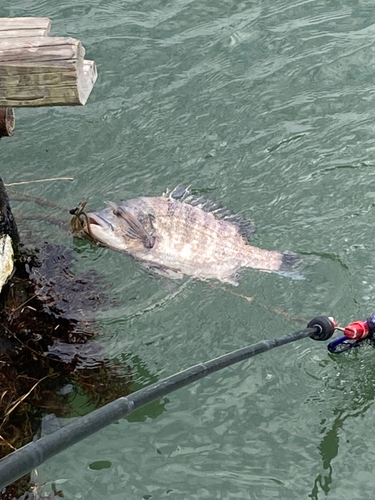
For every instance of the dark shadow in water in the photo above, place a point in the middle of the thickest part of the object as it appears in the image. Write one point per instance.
(50, 362)
(316, 256)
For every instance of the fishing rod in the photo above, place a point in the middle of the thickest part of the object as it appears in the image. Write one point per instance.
(30, 456)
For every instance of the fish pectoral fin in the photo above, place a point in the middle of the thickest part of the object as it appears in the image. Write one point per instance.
(131, 226)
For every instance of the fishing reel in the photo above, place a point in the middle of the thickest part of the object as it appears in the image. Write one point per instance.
(354, 335)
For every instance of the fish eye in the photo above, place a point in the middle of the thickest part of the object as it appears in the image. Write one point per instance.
(117, 211)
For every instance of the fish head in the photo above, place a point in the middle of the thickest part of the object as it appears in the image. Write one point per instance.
(117, 229)
(104, 227)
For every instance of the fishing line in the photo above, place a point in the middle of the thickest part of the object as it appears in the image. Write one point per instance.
(39, 180)
(269, 308)
(22, 461)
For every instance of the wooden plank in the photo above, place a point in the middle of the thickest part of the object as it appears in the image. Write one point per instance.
(36, 50)
(24, 26)
(43, 71)
(24, 22)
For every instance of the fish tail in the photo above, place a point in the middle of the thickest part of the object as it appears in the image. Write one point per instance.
(291, 266)
(286, 264)
(289, 261)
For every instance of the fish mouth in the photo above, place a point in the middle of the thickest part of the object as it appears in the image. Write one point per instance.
(97, 227)
(101, 231)
(94, 219)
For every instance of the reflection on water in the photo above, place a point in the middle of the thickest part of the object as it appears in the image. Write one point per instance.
(355, 397)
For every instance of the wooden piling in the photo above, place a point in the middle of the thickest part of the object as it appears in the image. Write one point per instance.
(7, 122)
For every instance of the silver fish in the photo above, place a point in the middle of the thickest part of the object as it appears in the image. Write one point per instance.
(183, 235)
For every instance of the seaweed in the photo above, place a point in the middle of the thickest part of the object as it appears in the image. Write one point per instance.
(47, 352)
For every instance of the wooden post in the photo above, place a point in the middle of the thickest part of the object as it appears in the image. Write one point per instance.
(9, 237)
(7, 223)
(38, 70)
(7, 121)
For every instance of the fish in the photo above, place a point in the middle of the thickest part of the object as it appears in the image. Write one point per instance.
(181, 234)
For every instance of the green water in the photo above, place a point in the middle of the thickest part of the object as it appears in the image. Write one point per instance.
(269, 105)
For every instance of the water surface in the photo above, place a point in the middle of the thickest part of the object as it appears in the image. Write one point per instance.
(269, 107)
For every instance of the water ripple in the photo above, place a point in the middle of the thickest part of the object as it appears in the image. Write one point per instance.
(267, 107)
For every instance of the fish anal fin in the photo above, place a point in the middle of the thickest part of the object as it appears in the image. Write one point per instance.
(165, 271)
(232, 279)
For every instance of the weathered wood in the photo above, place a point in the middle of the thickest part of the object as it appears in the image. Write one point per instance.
(90, 74)
(42, 71)
(24, 26)
(7, 121)
(38, 70)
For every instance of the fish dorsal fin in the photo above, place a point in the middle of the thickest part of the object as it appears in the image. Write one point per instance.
(245, 226)
(131, 226)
